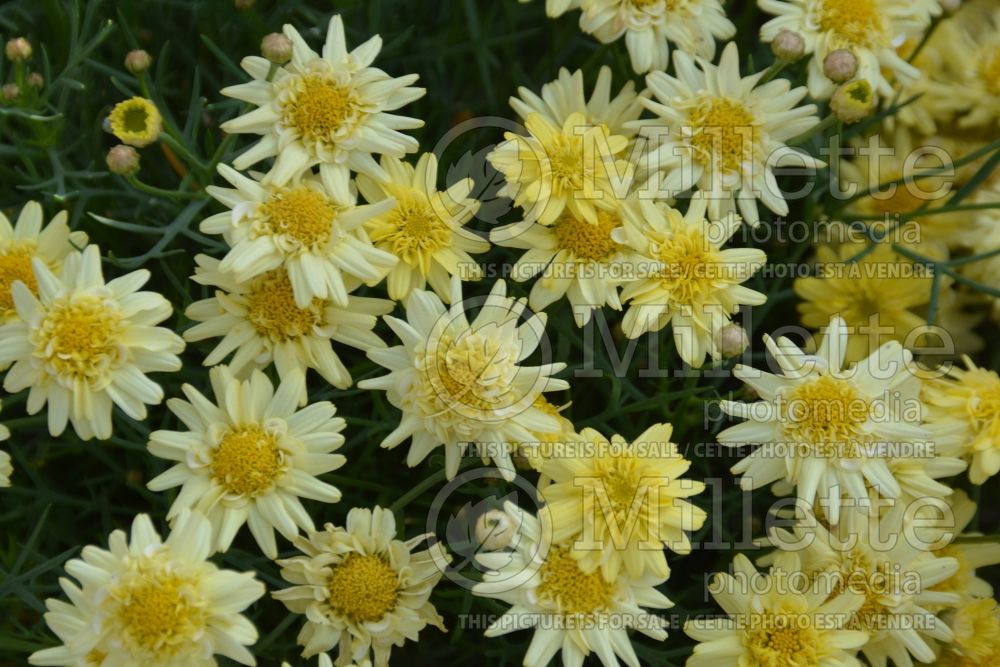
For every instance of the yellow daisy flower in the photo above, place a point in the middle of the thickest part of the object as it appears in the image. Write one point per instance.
(870, 29)
(576, 258)
(976, 626)
(360, 588)
(872, 556)
(876, 296)
(424, 228)
(146, 601)
(724, 134)
(967, 402)
(972, 92)
(83, 344)
(331, 110)
(650, 25)
(770, 621)
(259, 323)
(620, 504)
(136, 122)
(574, 166)
(686, 278)
(29, 238)
(249, 457)
(544, 443)
(301, 227)
(461, 384)
(571, 611)
(828, 428)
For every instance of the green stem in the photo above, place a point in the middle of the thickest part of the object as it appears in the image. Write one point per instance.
(821, 126)
(161, 192)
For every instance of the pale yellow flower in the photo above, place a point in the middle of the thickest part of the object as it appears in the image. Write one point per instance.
(249, 456)
(362, 589)
(84, 344)
(136, 122)
(147, 601)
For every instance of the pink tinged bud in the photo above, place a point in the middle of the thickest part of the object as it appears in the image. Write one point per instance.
(277, 48)
(36, 80)
(123, 160)
(788, 46)
(138, 61)
(18, 50)
(732, 340)
(10, 92)
(840, 65)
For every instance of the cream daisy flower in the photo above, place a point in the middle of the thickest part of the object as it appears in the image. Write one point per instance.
(649, 26)
(566, 95)
(249, 456)
(461, 384)
(872, 556)
(260, 321)
(572, 611)
(725, 134)
(771, 621)
(362, 589)
(301, 227)
(968, 401)
(578, 259)
(82, 345)
(29, 238)
(330, 110)
(621, 504)
(687, 279)
(870, 29)
(424, 229)
(828, 428)
(145, 601)
(572, 166)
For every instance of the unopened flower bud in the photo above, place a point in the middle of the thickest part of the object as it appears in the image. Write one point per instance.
(840, 65)
(36, 80)
(853, 101)
(138, 61)
(18, 50)
(10, 92)
(123, 160)
(277, 48)
(494, 530)
(732, 340)
(788, 46)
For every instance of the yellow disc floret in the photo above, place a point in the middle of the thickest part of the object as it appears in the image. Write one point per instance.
(301, 215)
(247, 461)
(591, 242)
(160, 612)
(363, 588)
(724, 132)
(136, 122)
(319, 108)
(272, 310)
(15, 265)
(80, 338)
(571, 590)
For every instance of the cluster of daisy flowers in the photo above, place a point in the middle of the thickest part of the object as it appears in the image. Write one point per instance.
(629, 199)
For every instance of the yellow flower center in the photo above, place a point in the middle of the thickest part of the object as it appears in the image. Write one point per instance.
(827, 413)
(15, 265)
(591, 242)
(692, 267)
(95, 658)
(80, 338)
(272, 311)
(412, 230)
(566, 160)
(977, 629)
(724, 132)
(160, 613)
(303, 215)
(363, 588)
(984, 404)
(247, 461)
(472, 371)
(989, 70)
(783, 640)
(570, 589)
(857, 22)
(320, 110)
